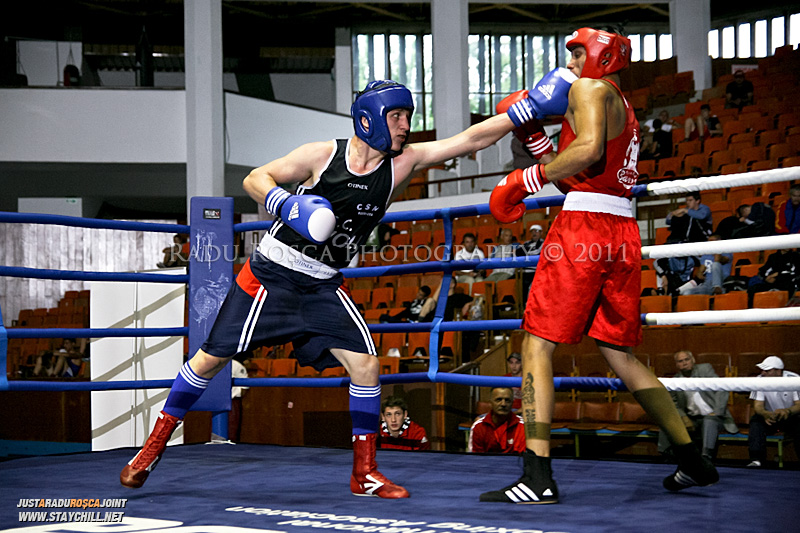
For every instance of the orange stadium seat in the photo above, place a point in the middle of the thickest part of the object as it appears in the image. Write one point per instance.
(656, 304)
(770, 299)
(692, 302)
(730, 301)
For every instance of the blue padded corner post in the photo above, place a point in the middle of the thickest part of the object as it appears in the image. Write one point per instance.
(210, 277)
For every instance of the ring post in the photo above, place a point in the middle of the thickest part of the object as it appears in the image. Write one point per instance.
(210, 277)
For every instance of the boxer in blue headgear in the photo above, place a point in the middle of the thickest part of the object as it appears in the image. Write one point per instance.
(372, 104)
(290, 288)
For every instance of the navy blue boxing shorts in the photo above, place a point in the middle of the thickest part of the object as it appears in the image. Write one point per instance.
(271, 305)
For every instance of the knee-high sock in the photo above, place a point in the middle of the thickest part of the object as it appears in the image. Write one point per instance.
(186, 389)
(365, 408)
(659, 405)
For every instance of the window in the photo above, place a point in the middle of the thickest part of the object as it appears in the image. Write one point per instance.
(636, 47)
(665, 46)
(728, 43)
(713, 44)
(744, 40)
(794, 30)
(761, 38)
(405, 59)
(649, 47)
(778, 38)
(502, 64)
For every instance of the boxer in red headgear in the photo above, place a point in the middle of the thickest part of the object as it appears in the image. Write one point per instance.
(588, 277)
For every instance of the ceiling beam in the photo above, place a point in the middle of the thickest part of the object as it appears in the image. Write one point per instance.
(525, 13)
(382, 11)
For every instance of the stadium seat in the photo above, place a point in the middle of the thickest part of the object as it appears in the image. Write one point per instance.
(692, 302)
(771, 299)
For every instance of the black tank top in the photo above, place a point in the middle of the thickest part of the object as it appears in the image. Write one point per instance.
(358, 201)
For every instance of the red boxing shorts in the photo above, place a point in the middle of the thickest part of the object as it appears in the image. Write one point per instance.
(588, 281)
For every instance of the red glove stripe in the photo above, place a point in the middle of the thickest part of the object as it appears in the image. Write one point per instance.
(530, 178)
(539, 145)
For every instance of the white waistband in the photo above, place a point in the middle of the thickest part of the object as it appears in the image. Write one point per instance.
(286, 256)
(597, 203)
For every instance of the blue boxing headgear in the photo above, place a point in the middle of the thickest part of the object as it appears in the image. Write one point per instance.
(373, 103)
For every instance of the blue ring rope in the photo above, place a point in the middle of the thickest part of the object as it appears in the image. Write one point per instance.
(577, 383)
(93, 223)
(79, 275)
(94, 333)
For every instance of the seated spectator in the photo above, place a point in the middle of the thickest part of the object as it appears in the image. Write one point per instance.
(788, 218)
(532, 246)
(499, 430)
(658, 145)
(469, 252)
(714, 269)
(705, 413)
(773, 411)
(667, 123)
(739, 92)
(781, 272)
(728, 225)
(692, 223)
(760, 222)
(504, 249)
(514, 362)
(69, 358)
(678, 275)
(175, 255)
(420, 309)
(398, 431)
(703, 126)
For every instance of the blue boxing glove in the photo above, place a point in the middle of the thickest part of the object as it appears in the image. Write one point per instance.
(309, 215)
(549, 97)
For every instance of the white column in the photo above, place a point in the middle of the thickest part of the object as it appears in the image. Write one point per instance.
(689, 23)
(343, 71)
(449, 25)
(450, 28)
(205, 150)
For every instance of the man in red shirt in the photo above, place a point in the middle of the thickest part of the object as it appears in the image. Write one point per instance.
(499, 430)
(398, 432)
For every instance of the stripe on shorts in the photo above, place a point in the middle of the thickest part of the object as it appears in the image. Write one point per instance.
(359, 321)
(252, 319)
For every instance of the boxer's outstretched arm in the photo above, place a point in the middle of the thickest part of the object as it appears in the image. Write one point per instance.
(477, 137)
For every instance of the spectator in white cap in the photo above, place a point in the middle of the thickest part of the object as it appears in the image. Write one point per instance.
(533, 246)
(774, 411)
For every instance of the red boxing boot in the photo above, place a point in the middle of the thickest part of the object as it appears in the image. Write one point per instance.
(366, 480)
(136, 471)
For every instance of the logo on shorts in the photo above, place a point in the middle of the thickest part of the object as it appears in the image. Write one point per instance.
(295, 211)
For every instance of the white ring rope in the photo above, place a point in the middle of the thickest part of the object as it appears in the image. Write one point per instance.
(717, 182)
(728, 316)
(732, 384)
(752, 244)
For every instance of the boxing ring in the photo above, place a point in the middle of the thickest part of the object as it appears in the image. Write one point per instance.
(305, 488)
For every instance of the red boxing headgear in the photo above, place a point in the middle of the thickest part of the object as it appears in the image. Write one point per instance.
(606, 52)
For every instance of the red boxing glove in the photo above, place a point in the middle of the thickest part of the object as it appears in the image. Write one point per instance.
(529, 128)
(505, 202)
(539, 144)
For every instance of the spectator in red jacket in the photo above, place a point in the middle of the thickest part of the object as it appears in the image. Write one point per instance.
(499, 430)
(788, 219)
(398, 432)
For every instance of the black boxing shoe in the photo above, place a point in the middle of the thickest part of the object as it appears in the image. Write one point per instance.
(694, 470)
(536, 486)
